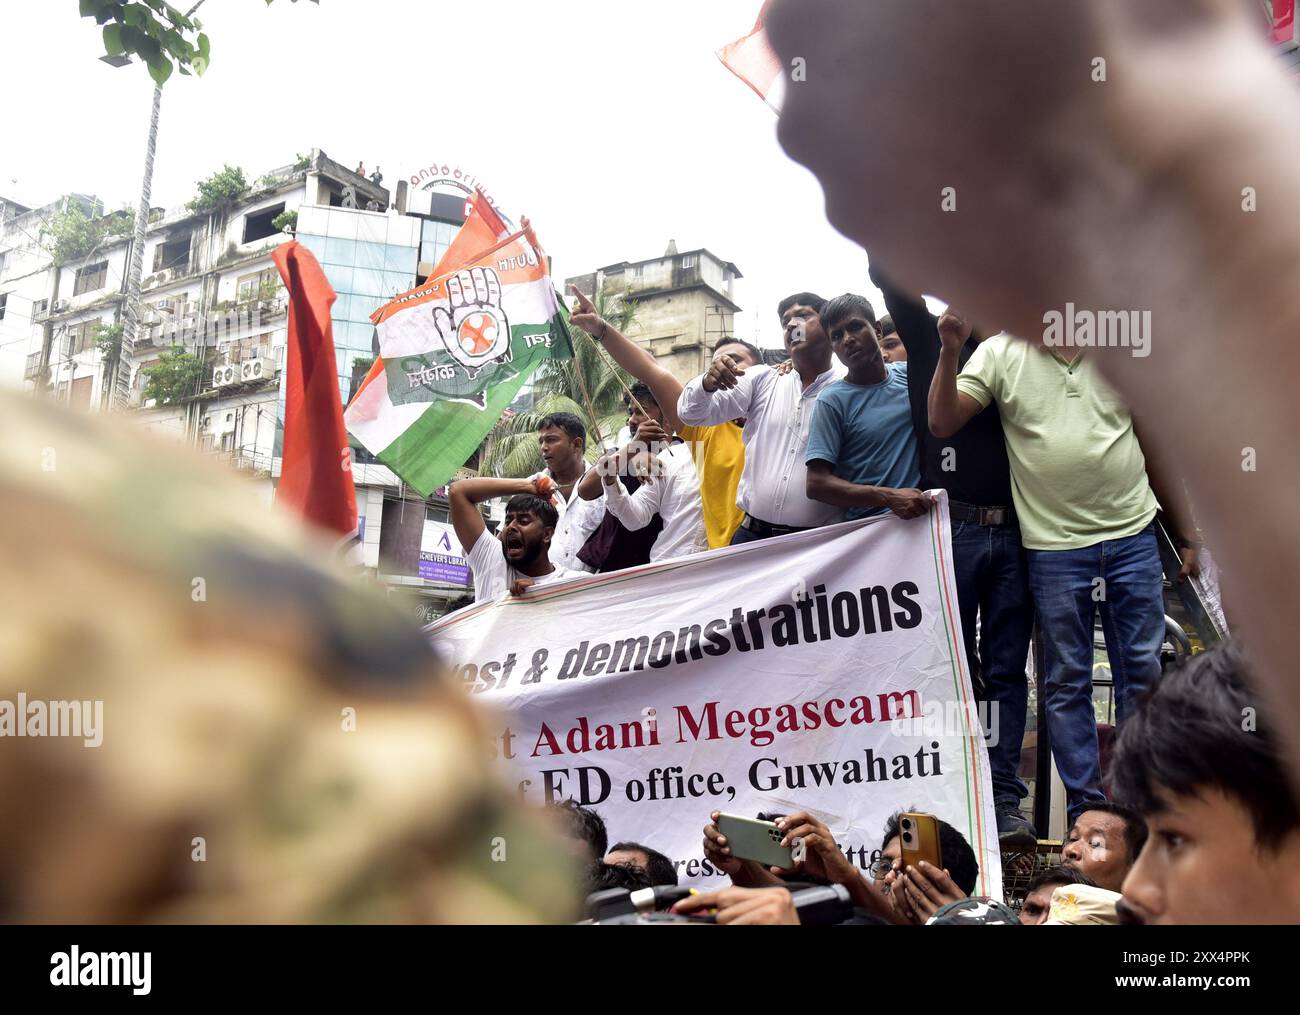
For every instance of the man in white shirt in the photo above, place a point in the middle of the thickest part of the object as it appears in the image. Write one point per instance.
(562, 437)
(669, 484)
(520, 559)
(778, 412)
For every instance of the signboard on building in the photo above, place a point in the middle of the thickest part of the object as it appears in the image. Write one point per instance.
(446, 178)
(441, 558)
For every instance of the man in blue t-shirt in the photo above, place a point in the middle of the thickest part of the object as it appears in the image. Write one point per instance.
(862, 451)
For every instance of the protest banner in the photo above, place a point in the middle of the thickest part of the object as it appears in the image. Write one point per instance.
(820, 670)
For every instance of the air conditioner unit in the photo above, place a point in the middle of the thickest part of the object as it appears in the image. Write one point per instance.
(227, 374)
(60, 306)
(164, 305)
(257, 369)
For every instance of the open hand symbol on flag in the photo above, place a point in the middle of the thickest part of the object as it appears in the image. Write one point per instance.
(473, 326)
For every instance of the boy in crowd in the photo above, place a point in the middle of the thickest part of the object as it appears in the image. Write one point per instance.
(562, 437)
(1201, 761)
(861, 453)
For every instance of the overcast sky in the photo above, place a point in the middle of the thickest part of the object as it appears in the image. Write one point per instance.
(610, 123)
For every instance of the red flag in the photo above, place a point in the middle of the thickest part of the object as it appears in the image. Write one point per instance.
(752, 60)
(316, 475)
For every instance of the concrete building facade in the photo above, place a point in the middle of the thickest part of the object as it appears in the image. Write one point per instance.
(684, 303)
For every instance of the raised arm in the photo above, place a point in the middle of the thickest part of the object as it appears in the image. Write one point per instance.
(950, 409)
(465, 495)
(666, 388)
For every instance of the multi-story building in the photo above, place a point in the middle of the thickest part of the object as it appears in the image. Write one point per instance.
(684, 303)
(211, 288)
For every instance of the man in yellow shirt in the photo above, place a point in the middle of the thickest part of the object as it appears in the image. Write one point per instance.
(719, 450)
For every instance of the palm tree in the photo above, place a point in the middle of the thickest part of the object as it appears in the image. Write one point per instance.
(558, 386)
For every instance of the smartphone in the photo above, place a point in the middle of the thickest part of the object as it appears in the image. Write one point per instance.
(752, 839)
(919, 837)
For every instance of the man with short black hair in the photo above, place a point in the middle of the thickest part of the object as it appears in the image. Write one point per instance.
(520, 559)
(861, 453)
(1201, 761)
(562, 437)
(777, 409)
(1038, 895)
(1104, 843)
(661, 870)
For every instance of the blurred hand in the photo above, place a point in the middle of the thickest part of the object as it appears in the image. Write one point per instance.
(954, 330)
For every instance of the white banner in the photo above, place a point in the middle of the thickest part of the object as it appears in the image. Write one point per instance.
(823, 670)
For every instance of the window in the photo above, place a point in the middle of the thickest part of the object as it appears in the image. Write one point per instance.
(689, 261)
(174, 252)
(90, 278)
(39, 307)
(257, 286)
(82, 336)
(4, 301)
(257, 225)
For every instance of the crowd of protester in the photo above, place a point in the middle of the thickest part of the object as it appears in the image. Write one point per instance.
(1051, 495)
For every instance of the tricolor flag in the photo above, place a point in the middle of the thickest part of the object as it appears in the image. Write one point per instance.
(752, 60)
(483, 228)
(456, 351)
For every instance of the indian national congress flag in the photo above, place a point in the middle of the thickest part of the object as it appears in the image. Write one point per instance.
(455, 353)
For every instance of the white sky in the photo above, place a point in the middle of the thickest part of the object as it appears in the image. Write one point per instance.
(609, 122)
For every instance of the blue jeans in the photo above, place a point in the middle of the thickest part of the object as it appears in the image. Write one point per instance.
(743, 535)
(1067, 594)
(992, 580)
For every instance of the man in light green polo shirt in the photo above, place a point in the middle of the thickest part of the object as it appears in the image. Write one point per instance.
(1086, 508)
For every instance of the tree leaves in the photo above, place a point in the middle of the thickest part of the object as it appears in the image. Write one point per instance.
(155, 32)
(113, 40)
